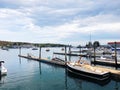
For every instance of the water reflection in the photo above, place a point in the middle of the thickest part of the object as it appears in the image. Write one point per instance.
(20, 60)
(116, 86)
(40, 67)
(2, 80)
(66, 88)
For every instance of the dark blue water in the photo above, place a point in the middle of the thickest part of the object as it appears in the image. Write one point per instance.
(26, 74)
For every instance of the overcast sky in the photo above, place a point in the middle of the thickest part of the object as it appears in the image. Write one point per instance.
(60, 21)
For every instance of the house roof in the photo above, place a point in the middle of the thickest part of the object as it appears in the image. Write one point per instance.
(113, 42)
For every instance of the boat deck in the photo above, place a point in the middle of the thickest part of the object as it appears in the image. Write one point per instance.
(89, 68)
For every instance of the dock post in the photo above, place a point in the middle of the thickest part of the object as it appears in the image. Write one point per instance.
(116, 55)
(70, 52)
(94, 55)
(80, 48)
(40, 52)
(65, 55)
(0, 70)
(19, 50)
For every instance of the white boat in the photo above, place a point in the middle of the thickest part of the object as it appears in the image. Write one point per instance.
(2, 69)
(88, 72)
(106, 57)
(47, 49)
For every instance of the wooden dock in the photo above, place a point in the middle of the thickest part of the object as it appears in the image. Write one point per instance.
(44, 60)
(71, 54)
(106, 63)
(114, 73)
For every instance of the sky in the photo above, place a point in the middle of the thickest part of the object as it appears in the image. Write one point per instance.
(74, 22)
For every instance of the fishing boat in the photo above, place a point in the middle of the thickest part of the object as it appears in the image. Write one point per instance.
(2, 69)
(87, 71)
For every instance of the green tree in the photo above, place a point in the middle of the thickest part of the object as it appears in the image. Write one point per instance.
(96, 44)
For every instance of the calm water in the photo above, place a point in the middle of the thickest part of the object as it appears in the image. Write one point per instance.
(26, 74)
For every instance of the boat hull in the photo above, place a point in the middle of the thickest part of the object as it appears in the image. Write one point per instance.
(3, 71)
(101, 79)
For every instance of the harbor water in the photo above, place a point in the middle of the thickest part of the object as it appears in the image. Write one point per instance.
(24, 74)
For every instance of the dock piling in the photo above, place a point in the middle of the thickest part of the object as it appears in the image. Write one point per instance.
(40, 52)
(69, 52)
(94, 54)
(116, 55)
(65, 55)
(19, 50)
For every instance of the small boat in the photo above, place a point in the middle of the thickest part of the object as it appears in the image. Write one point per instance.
(107, 58)
(5, 48)
(62, 49)
(47, 50)
(88, 72)
(3, 69)
(35, 48)
(117, 49)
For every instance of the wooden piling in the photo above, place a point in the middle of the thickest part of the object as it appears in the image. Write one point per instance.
(65, 55)
(80, 49)
(94, 54)
(19, 50)
(69, 53)
(40, 52)
(116, 55)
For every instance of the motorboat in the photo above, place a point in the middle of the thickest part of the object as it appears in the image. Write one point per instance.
(2, 69)
(34, 48)
(87, 71)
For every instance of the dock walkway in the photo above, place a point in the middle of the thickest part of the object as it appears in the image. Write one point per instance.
(106, 63)
(71, 54)
(44, 60)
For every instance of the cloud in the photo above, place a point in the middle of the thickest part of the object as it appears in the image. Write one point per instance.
(61, 21)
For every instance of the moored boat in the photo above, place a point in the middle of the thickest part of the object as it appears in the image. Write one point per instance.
(35, 48)
(3, 70)
(88, 72)
(47, 49)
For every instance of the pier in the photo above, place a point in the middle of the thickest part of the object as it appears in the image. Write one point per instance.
(71, 54)
(106, 63)
(45, 60)
(59, 62)
(114, 73)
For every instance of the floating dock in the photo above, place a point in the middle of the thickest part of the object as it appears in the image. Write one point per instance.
(106, 63)
(44, 60)
(114, 73)
(71, 54)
